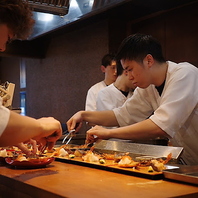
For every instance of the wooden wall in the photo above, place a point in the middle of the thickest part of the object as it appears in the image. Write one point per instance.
(177, 31)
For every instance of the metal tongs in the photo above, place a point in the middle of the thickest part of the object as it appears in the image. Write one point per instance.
(42, 150)
(70, 135)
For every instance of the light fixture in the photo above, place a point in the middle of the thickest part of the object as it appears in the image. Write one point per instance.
(57, 7)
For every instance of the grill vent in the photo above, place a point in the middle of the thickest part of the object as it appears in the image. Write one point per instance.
(57, 7)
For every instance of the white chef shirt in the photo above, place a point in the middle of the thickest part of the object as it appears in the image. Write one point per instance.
(92, 95)
(110, 97)
(4, 117)
(175, 112)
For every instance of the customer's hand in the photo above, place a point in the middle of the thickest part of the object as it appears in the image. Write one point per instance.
(50, 133)
(23, 147)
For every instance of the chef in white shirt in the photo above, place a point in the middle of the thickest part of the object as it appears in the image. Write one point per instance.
(108, 67)
(117, 93)
(164, 104)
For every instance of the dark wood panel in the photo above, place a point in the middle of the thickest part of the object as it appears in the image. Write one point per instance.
(181, 35)
(35, 48)
(176, 30)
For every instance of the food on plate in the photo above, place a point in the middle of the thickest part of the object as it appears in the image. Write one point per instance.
(3, 153)
(108, 156)
(150, 169)
(7, 152)
(102, 161)
(21, 158)
(127, 162)
(66, 150)
(71, 156)
(158, 165)
(29, 162)
(79, 153)
(120, 160)
(69, 147)
(14, 157)
(58, 152)
(61, 153)
(91, 157)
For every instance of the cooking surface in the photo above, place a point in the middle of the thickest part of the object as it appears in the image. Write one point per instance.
(68, 180)
(137, 150)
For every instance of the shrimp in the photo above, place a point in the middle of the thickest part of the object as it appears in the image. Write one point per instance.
(127, 162)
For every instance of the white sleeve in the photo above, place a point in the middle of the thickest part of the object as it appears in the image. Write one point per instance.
(135, 109)
(178, 101)
(4, 117)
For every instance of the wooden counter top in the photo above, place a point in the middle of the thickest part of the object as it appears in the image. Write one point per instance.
(68, 180)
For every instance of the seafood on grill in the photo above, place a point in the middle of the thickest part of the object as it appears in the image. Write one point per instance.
(127, 162)
(120, 160)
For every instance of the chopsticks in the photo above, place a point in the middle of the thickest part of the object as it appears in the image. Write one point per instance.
(42, 150)
(69, 134)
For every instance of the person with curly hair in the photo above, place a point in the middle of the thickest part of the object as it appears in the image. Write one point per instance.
(16, 22)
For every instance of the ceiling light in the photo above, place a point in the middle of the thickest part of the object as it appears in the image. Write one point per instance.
(45, 16)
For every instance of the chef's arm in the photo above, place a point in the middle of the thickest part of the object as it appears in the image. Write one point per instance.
(146, 129)
(103, 118)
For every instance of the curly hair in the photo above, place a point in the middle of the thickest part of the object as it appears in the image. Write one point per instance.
(17, 16)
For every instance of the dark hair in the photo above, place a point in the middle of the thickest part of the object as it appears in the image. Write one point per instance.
(17, 16)
(107, 59)
(137, 46)
(119, 68)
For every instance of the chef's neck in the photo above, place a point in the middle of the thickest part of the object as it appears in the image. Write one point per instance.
(108, 82)
(121, 85)
(160, 72)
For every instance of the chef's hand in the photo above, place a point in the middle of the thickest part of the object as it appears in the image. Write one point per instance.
(96, 133)
(75, 122)
(25, 149)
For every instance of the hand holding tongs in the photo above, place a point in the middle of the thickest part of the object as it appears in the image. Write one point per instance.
(70, 135)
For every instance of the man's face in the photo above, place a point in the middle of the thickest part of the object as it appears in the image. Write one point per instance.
(5, 36)
(111, 71)
(138, 73)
